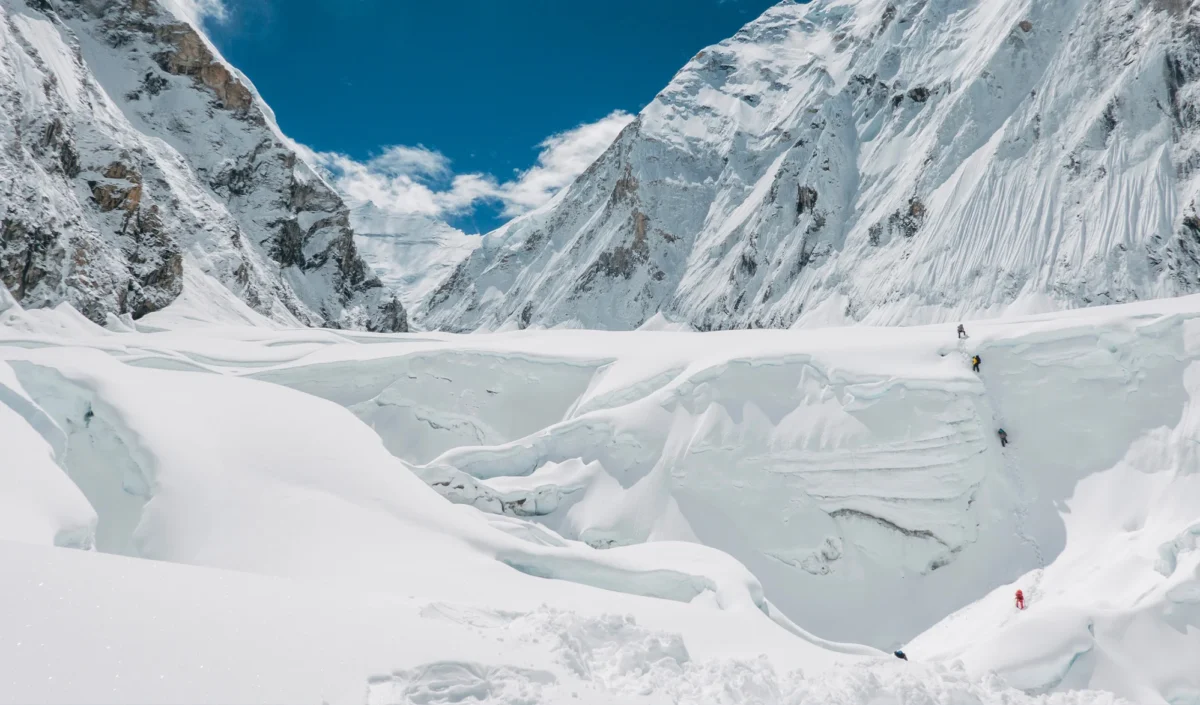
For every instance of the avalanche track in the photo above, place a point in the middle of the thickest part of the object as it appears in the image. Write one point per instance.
(624, 517)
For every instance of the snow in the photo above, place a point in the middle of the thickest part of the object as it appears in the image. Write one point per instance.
(661, 323)
(205, 302)
(38, 503)
(650, 516)
(161, 632)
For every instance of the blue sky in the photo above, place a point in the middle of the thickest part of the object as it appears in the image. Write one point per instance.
(467, 110)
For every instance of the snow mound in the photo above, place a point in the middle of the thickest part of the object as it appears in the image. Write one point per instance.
(660, 322)
(456, 682)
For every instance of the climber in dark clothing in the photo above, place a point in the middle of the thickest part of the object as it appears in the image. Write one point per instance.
(975, 363)
(900, 655)
(962, 332)
(1003, 437)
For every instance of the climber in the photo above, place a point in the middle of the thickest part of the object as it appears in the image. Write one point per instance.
(975, 363)
(1003, 437)
(900, 655)
(962, 332)
(1020, 600)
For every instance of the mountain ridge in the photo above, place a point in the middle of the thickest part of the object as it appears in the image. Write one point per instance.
(136, 151)
(881, 162)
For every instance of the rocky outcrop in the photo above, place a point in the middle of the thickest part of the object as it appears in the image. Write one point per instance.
(190, 56)
(880, 161)
(116, 181)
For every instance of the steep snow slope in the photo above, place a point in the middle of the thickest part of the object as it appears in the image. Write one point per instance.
(853, 471)
(412, 253)
(883, 161)
(135, 154)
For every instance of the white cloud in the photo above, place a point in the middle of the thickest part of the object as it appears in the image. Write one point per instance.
(404, 180)
(412, 161)
(418, 180)
(466, 190)
(564, 157)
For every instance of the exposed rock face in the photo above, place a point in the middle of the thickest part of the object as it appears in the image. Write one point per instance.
(889, 162)
(190, 57)
(132, 151)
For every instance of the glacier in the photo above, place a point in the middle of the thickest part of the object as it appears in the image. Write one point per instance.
(658, 517)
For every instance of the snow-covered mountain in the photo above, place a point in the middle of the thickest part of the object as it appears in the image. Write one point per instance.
(883, 161)
(135, 158)
(411, 253)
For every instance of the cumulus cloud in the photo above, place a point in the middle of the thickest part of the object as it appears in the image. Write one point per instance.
(418, 180)
(411, 161)
(405, 180)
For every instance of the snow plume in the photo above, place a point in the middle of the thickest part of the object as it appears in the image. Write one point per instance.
(418, 180)
(197, 11)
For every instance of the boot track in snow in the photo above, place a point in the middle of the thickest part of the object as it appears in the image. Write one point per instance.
(1012, 470)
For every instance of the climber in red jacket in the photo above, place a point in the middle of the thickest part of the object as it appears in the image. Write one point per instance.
(1020, 600)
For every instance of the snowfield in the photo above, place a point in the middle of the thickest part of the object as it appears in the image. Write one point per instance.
(204, 506)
